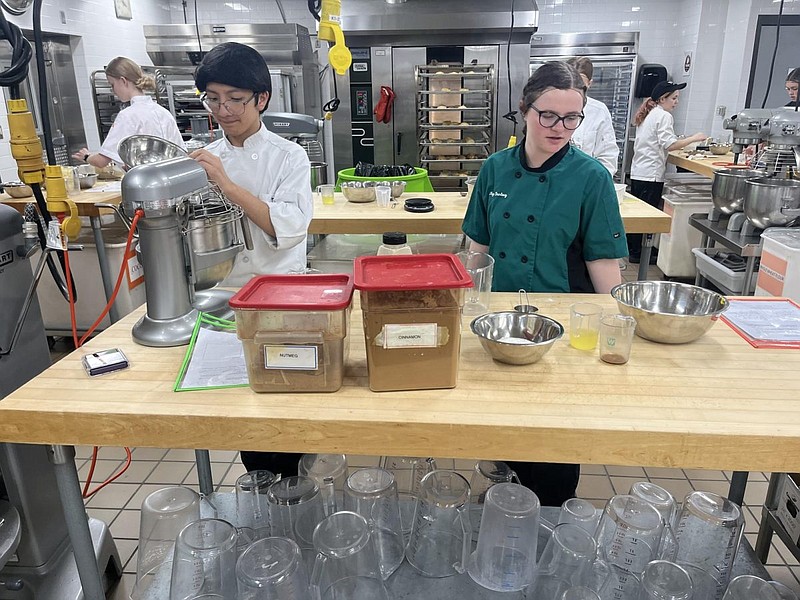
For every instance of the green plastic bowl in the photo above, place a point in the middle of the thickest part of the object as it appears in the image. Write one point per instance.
(418, 182)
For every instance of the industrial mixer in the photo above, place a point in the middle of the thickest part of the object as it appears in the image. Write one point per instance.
(189, 236)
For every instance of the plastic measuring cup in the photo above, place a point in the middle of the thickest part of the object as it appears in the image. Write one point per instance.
(505, 559)
(272, 569)
(664, 580)
(485, 474)
(629, 533)
(584, 325)
(580, 512)
(665, 504)
(326, 193)
(252, 507)
(708, 530)
(295, 509)
(750, 587)
(204, 565)
(329, 471)
(408, 472)
(480, 267)
(566, 561)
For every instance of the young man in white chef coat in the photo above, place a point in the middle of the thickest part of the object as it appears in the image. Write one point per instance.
(265, 174)
(268, 176)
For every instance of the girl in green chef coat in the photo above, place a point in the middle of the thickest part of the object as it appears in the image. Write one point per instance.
(549, 216)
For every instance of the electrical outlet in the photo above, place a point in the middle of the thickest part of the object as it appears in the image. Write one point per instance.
(63, 16)
(2, 133)
(721, 110)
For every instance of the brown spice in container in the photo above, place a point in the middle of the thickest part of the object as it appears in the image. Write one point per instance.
(613, 358)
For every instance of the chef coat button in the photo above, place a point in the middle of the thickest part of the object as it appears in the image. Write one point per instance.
(524, 259)
(531, 219)
(254, 156)
(502, 255)
(542, 179)
(506, 215)
(245, 259)
(517, 174)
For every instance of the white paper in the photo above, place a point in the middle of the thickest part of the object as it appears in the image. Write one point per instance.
(777, 321)
(217, 360)
(113, 186)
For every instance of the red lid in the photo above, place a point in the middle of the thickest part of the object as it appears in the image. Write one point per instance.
(295, 292)
(410, 272)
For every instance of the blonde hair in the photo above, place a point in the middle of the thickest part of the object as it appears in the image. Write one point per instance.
(122, 67)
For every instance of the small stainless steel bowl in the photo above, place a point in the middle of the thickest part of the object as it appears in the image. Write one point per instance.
(358, 191)
(669, 312)
(516, 338)
(398, 187)
(17, 189)
(143, 149)
(87, 181)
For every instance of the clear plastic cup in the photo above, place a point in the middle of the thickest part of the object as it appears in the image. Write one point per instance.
(703, 584)
(252, 507)
(664, 580)
(584, 325)
(408, 472)
(272, 569)
(580, 512)
(346, 565)
(750, 587)
(505, 558)
(616, 338)
(665, 504)
(708, 530)
(441, 535)
(372, 493)
(579, 593)
(295, 509)
(383, 194)
(329, 471)
(204, 565)
(326, 192)
(784, 592)
(485, 474)
(629, 533)
(566, 561)
(155, 583)
(480, 267)
(164, 514)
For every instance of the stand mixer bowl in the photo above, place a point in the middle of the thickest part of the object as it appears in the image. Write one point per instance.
(771, 202)
(727, 191)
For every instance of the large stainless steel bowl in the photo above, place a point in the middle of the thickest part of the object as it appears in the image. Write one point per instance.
(516, 338)
(359, 191)
(143, 149)
(669, 312)
(727, 191)
(771, 202)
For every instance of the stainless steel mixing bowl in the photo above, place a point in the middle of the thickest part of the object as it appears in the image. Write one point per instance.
(669, 312)
(516, 338)
(143, 149)
(727, 191)
(359, 191)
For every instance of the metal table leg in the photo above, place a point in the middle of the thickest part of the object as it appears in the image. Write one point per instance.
(204, 478)
(69, 488)
(105, 272)
(749, 271)
(765, 530)
(738, 485)
(644, 261)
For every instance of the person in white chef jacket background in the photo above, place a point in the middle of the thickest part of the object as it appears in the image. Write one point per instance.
(595, 136)
(143, 116)
(267, 176)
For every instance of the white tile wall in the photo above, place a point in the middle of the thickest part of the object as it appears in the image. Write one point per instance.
(101, 37)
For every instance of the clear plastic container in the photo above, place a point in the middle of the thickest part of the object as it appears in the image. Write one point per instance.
(412, 319)
(294, 331)
(394, 242)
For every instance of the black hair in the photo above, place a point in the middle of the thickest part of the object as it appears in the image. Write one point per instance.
(237, 65)
(794, 75)
(551, 75)
(583, 65)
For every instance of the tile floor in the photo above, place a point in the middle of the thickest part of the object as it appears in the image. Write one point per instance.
(118, 504)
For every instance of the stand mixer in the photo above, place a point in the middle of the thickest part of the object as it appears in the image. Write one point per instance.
(746, 126)
(189, 236)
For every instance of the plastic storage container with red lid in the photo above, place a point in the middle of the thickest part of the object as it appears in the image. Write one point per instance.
(294, 331)
(412, 319)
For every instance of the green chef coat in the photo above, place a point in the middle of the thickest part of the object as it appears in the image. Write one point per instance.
(542, 224)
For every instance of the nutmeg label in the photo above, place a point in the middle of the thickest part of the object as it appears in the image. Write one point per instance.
(416, 335)
(291, 357)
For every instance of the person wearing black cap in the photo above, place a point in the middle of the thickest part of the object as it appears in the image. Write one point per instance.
(266, 175)
(655, 139)
(263, 173)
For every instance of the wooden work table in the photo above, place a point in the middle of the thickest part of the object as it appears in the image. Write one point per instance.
(85, 200)
(705, 166)
(716, 403)
(352, 217)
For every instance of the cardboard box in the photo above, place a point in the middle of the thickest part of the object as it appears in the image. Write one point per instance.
(788, 511)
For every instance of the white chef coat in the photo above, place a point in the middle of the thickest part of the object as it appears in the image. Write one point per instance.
(279, 173)
(143, 116)
(650, 149)
(595, 135)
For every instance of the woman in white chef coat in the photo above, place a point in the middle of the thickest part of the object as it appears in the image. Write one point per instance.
(268, 176)
(143, 116)
(655, 139)
(595, 136)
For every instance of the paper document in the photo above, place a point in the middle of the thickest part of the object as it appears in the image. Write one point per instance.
(112, 186)
(765, 322)
(216, 360)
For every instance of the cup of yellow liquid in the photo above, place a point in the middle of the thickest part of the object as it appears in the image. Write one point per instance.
(584, 325)
(326, 193)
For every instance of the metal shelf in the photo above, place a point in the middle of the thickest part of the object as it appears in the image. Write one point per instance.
(449, 91)
(716, 230)
(462, 107)
(452, 175)
(455, 159)
(462, 125)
